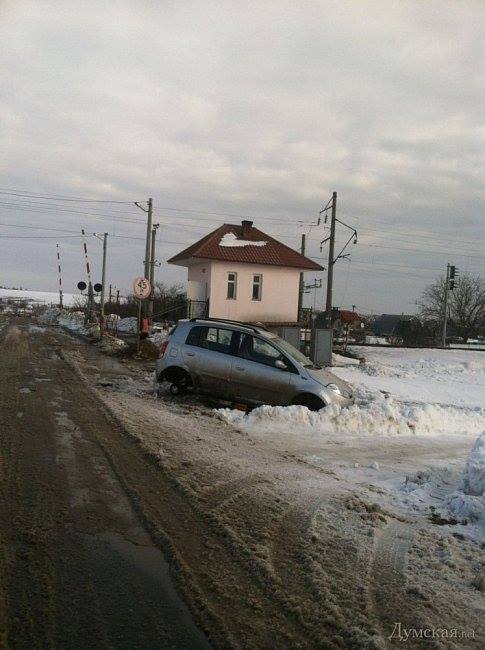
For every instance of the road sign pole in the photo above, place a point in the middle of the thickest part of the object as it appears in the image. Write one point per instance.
(138, 334)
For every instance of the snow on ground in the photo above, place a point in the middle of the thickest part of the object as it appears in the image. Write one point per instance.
(72, 321)
(448, 377)
(430, 392)
(420, 432)
(372, 414)
(128, 325)
(41, 297)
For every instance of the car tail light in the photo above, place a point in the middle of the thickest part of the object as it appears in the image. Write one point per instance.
(163, 347)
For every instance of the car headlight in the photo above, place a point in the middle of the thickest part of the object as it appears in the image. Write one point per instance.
(334, 388)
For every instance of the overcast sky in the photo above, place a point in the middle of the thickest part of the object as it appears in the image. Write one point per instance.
(258, 109)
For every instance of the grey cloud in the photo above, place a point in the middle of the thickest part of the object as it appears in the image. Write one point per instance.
(259, 109)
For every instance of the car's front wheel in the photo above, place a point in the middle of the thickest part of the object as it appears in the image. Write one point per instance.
(312, 402)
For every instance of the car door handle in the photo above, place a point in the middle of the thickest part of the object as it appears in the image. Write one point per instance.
(191, 354)
(240, 368)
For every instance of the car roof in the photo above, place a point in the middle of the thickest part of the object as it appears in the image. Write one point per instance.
(236, 325)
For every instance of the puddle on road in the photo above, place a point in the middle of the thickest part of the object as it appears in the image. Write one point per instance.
(150, 562)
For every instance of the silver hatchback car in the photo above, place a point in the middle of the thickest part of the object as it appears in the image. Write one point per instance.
(244, 363)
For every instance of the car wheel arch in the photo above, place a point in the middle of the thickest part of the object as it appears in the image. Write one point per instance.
(311, 401)
(176, 374)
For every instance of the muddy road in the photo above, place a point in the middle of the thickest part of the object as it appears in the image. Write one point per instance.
(78, 566)
(128, 521)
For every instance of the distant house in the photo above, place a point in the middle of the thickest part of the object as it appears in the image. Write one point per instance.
(389, 324)
(238, 272)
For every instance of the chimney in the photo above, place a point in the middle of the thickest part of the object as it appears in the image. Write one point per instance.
(246, 225)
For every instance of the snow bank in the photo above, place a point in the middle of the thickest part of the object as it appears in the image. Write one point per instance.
(432, 489)
(73, 321)
(469, 502)
(474, 476)
(338, 360)
(128, 325)
(157, 337)
(372, 414)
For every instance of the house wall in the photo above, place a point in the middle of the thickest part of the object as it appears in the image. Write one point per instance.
(279, 301)
(199, 273)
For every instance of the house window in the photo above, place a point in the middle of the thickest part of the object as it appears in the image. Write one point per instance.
(257, 287)
(231, 286)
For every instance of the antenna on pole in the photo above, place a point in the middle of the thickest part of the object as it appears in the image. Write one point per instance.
(60, 276)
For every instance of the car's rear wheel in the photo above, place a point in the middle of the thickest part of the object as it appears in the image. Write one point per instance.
(312, 402)
(177, 389)
(178, 378)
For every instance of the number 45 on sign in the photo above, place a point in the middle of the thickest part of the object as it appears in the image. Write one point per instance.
(141, 288)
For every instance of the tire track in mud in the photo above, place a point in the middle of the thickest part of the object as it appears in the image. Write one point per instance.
(230, 594)
(388, 598)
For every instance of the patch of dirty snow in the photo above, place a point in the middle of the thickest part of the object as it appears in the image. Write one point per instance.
(35, 329)
(341, 361)
(128, 325)
(372, 414)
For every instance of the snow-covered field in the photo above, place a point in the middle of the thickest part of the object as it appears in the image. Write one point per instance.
(41, 297)
(404, 398)
(428, 376)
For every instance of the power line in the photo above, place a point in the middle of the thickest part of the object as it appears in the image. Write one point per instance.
(57, 197)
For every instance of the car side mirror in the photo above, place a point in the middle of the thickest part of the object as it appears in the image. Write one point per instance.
(280, 364)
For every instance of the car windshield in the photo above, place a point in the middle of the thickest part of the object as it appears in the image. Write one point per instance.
(293, 352)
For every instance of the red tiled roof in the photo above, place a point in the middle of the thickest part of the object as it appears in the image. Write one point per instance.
(348, 316)
(273, 252)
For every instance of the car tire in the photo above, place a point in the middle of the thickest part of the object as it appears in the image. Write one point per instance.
(312, 402)
(177, 389)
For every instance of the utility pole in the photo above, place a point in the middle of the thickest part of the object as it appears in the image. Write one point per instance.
(149, 212)
(451, 274)
(331, 261)
(445, 309)
(110, 295)
(151, 276)
(302, 280)
(60, 277)
(103, 285)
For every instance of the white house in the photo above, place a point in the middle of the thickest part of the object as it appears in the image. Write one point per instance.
(244, 274)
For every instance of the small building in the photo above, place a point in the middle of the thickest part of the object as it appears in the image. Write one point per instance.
(388, 324)
(240, 273)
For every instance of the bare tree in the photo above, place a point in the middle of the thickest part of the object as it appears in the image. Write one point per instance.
(466, 304)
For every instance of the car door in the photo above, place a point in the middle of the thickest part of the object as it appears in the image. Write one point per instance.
(207, 355)
(254, 374)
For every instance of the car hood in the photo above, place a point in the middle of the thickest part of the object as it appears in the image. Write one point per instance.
(325, 377)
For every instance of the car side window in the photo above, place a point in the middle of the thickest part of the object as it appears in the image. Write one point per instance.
(194, 335)
(211, 338)
(260, 351)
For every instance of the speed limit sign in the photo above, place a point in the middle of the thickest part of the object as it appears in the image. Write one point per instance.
(141, 288)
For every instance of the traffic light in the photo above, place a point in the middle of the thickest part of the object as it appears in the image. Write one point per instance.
(453, 275)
